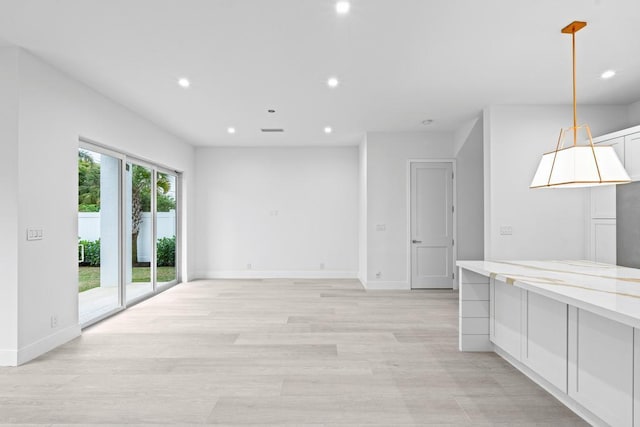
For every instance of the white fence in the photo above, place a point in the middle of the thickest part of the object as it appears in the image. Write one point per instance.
(89, 229)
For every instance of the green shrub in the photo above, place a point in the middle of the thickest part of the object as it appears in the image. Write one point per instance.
(91, 252)
(167, 252)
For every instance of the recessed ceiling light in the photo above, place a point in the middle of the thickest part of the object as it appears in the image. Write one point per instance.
(343, 7)
(184, 82)
(608, 74)
(231, 130)
(328, 129)
(333, 82)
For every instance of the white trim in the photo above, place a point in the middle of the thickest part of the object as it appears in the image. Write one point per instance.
(86, 144)
(8, 358)
(93, 145)
(382, 286)
(454, 282)
(587, 227)
(362, 282)
(48, 343)
(276, 274)
(616, 134)
(486, 182)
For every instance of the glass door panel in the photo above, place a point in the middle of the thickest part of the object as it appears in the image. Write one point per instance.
(166, 225)
(139, 231)
(99, 201)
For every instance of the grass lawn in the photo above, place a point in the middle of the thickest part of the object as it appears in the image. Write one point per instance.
(89, 277)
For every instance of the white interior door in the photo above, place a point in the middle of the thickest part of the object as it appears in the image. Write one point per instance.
(431, 225)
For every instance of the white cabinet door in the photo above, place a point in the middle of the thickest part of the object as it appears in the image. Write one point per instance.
(632, 155)
(506, 318)
(603, 199)
(603, 241)
(545, 339)
(603, 202)
(600, 366)
(617, 144)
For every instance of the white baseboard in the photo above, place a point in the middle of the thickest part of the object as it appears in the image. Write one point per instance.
(256, 274)
(47, 343)
(375, 285)
(362, 281)
(8, 358)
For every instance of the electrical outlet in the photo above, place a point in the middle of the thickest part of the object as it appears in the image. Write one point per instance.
(248, 266)
(378, 274)
(54, 321)
(322, 266)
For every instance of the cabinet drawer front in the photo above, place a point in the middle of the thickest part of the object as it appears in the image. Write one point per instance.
(474, 326)
(474, 309)
(474, 292)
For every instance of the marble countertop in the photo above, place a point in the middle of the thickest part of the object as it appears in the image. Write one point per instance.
(604, 289)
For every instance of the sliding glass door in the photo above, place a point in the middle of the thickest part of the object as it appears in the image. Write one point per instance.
(127, 228)
(166, 230)
(139, 231)
(99, 207)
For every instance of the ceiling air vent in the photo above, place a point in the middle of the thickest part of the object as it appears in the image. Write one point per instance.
(272, 130)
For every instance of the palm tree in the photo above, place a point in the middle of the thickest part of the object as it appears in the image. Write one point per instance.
(141, 201)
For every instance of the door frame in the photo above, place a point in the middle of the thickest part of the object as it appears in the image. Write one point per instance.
(455, 216)
(124, 158)
(85, 144)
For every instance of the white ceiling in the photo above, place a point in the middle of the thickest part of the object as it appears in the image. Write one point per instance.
(399, 61)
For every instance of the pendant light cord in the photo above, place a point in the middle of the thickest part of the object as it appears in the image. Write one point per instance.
(575, 114)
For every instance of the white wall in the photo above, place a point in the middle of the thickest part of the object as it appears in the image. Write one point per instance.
(282, 210)
(55, 110)
(634, 114)
(547, 223)
(362, 211)
(9, 211)
(387, 186)
(470, 196)
(461, 134)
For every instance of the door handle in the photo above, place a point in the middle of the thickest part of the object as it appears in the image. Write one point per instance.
(416, 241)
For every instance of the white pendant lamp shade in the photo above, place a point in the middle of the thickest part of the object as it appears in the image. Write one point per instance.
(580, 166)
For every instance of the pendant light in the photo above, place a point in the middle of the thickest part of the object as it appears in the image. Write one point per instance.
(577, 165)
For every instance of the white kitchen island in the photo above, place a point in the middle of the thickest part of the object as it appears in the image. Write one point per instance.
(571, 326)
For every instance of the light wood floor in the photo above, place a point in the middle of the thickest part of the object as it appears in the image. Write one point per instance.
(276, 352)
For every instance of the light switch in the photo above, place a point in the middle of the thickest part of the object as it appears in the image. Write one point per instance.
(506, 230)
(35, 234)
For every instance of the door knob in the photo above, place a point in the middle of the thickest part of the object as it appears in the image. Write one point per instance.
(416, 241)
